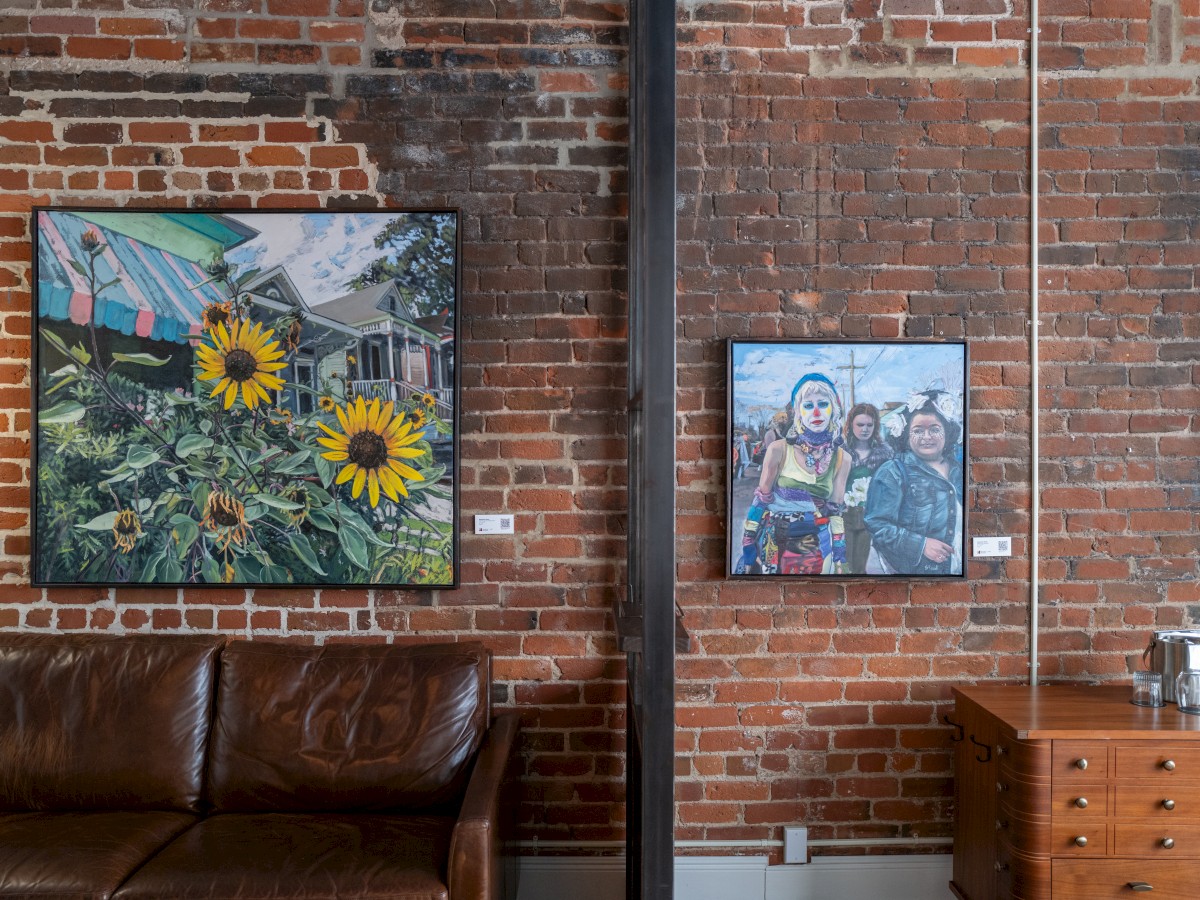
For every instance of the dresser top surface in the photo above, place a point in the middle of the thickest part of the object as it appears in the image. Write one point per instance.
(1075, 711)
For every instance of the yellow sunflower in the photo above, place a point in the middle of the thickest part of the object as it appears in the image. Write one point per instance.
(372, 444)
(429, 400)
(418, 417)
(126, 530)
(242, 357)
(327, 404)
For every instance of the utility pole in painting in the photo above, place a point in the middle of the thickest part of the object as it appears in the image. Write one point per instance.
(852, 367)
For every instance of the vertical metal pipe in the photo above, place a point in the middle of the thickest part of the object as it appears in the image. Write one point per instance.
(1035, 491)
(652, 409)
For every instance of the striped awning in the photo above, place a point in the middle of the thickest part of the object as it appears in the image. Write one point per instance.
(149, 291)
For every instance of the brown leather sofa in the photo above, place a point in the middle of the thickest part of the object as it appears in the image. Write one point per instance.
(181, 767)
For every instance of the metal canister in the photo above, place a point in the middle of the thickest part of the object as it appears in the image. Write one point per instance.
(1169, 653)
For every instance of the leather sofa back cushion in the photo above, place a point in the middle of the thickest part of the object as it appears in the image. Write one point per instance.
(104, 722)
(346, 728)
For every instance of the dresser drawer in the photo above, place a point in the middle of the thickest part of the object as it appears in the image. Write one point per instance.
(1071, 800)
(1158, 840)
(1080, 761)
(1167, 800)
(1080, 838)
(1112, 879)
(1161, 762)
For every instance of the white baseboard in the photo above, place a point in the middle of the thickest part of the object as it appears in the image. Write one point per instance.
(919, 877)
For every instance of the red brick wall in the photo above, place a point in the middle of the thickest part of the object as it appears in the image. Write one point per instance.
(847, 168)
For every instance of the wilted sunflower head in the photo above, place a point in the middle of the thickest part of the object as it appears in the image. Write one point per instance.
(91, 240)
(216, 314)
(225, 516)
(373, 444)
(241, 357)
(126, 530)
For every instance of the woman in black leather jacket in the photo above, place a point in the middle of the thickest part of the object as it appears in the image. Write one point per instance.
(914, 504)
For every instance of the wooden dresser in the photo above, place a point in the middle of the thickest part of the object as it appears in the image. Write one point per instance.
(1068, 792)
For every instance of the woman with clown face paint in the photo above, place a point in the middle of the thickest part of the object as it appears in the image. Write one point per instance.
(794, 525)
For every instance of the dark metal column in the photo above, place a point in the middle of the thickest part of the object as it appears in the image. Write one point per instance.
(647, 618)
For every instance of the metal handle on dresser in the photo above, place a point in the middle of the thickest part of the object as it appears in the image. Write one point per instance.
(1169, 765)
(1139, 886)
(1081, 802)
(1167, 843)
(958, 728)
(986, 749)
(1081, 764)
(1168, 804)
(1081, 841)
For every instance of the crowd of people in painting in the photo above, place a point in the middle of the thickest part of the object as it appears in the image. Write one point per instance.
(838, 496)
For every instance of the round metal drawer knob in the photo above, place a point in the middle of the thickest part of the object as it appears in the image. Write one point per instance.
(1081, 841)
(1081, 802)
(1168, 804)
(1169, 765)
(1081, 764)
(1167, 843)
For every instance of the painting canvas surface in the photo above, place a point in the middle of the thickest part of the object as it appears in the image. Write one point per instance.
(245, 397)
(847, 458)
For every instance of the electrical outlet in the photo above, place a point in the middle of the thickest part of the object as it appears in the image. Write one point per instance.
(795, 844)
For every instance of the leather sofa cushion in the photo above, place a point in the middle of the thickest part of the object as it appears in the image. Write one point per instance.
(346, 728)
(90, 722)
(78, 856)
(247, 856)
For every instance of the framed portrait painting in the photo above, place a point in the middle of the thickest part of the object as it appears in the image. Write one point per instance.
(847, 458)
(245, 397)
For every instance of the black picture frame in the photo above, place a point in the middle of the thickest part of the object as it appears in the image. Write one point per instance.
(800, 505)
(246, 397)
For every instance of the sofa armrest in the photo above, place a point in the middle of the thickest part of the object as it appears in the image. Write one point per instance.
(487, 819)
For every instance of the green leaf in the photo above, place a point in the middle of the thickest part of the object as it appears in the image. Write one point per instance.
(254, 511)
(174, 399)
(276, 502)
(321, 520)
(192, 443)
(68, 412)
(79, 267)
(200, 494)
(80, 355)
(325, 470)
(102, 522)
(186, 532)
(140, 359)
(355, 547)
(291, 463)
(275, 575)
(428, 477)
(140, 457)
(210, 571)
(288, 385)
(303, 549)
(170, 571)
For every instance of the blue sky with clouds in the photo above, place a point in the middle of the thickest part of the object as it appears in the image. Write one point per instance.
(321, 251)
(765, 373)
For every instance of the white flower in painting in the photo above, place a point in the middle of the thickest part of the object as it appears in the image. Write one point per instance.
(949, 405)
(856, 494)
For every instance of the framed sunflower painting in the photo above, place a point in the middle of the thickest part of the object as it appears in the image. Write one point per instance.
(245, 397)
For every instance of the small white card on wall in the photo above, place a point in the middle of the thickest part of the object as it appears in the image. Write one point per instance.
(502, 524)
(991, 546)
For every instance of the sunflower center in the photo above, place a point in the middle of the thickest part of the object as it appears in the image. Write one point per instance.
(226, 514)
(126, 523)
(240, 365)
(368, 450)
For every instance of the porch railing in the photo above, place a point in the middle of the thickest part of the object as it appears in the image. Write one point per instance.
(386, 389)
